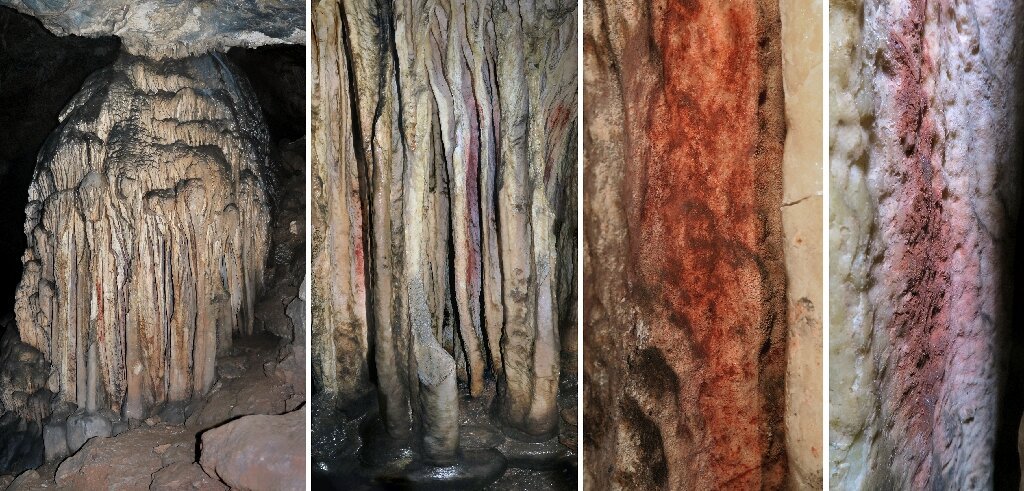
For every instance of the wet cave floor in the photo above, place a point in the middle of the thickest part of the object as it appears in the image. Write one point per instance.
(345, 440)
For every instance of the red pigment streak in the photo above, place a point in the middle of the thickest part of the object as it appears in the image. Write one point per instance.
(99, 303)
(705, 210)
(920, 328)
(473, 199)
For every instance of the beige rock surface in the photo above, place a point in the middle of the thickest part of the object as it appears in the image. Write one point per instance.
(802, 227)
(256, 453)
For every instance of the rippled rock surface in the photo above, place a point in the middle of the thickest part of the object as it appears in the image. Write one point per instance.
(147, 225)
(924, 148)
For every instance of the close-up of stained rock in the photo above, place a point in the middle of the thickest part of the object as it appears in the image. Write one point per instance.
(443, 183)
(925, 155)
(702, 245)
(164, 245)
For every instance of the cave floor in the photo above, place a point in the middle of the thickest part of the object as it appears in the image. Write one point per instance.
(260, 375)
(339, 441)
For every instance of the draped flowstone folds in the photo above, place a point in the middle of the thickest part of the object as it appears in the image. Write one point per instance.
(444, 142)
(147, 233)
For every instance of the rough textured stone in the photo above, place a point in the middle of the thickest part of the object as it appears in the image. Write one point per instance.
(159, 29)
(258, 452)
(118, 463)
(444, 153)
(924, 148)
(55, 442)
(684, 324)
(82, 427)
(147, 233)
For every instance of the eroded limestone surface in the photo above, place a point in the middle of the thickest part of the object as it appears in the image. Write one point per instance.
(923, 141)
(147, 232)
(443, 172)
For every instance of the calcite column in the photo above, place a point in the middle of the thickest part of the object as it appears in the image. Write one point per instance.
(924, 175)
(684, 326)
(146, 229)
(448, 142)
(339, 323)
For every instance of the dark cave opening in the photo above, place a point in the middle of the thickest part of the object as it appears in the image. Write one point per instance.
(1007, 459)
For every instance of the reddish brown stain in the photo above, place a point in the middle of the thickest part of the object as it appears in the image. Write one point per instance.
(920, 327)
(704, 174)
(99, 304)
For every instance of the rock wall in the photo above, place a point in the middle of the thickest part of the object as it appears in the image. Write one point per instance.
(684, 326)
(924, 144)
(147, 233)
(444, 153)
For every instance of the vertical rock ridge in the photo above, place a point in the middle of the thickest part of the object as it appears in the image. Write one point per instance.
(461, 119)
(924, 164)
(802, 210)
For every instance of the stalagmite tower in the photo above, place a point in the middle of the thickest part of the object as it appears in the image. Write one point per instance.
(148, 211)
(147, 234)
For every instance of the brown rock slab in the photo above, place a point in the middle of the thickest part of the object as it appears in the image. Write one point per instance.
(258, 452)
(182, 476)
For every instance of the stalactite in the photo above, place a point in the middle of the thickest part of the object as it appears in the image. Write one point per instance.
(448, 129)
(146, 231)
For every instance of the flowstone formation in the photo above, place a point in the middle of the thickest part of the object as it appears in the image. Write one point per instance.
(158, 209)
(147, 224)
(924, 148)
(444, 163)
(692, 352)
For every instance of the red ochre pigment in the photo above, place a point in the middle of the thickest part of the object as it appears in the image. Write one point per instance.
(704, 133)
(931, 311)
